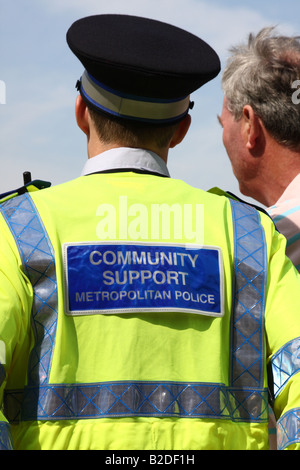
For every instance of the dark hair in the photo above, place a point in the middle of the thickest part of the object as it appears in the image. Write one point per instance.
(131, 133)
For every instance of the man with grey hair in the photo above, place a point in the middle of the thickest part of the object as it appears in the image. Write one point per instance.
(260, 119)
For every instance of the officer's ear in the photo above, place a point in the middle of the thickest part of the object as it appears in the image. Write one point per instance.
(82, 115)
(181, 131)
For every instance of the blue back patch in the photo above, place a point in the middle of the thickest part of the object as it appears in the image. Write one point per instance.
(124, 277)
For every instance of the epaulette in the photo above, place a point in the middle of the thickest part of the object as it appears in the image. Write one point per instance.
(35, 185)
(230, 195)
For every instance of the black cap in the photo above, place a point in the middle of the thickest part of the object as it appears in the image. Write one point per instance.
(139, 68)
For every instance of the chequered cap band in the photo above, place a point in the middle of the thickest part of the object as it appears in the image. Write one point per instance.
(131, 107)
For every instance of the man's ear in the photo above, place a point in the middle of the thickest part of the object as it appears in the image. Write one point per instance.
(181, 131)
(252, 127)
(82, 115)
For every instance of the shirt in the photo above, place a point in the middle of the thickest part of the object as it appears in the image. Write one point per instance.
(286, 216)
(124, 159)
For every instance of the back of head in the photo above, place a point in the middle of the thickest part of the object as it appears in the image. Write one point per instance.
(128, 133)
(262, 74)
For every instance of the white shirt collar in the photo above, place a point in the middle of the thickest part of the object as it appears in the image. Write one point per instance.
(122, 158)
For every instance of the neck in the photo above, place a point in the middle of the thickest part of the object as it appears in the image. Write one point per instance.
(96, 147)
(276, 170)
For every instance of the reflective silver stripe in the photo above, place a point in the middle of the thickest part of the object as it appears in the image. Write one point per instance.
(285, 363)
(6, 441)
(244, 400)
(131, 107)
(288, 429)
(247, 328)
(38, 260)
(143, 399)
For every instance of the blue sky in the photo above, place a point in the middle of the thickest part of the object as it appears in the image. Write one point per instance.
(38, 129)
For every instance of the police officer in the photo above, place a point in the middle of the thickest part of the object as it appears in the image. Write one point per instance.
(138, 312)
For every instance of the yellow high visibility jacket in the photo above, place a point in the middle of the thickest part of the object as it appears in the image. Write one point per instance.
(138, 312)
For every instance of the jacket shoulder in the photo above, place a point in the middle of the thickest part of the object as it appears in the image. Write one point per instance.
(229, 195)
(31, 186)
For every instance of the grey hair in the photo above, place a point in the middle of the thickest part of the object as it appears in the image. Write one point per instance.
(262, 74)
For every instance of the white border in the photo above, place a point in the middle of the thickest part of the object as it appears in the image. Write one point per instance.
(188, 246)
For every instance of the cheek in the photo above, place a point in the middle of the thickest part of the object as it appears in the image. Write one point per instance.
(232, 139)
(229, 142)
(233, 148)
(224, 137)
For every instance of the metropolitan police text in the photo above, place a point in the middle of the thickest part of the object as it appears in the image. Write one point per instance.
(142, 276)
